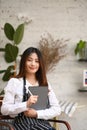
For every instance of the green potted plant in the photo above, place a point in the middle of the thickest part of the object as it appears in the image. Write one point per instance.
(11, 49)
(81, 50)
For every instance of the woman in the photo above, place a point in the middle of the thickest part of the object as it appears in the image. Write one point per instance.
(16, 102)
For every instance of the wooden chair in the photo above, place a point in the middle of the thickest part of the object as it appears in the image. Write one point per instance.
(8, 125)
(4, 122)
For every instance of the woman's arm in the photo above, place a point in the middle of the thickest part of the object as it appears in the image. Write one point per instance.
(12, 102)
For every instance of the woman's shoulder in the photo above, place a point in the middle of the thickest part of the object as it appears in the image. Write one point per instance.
(15, 80)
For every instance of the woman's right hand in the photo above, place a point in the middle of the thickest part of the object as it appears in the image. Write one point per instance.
(32, 100)
(31, 113)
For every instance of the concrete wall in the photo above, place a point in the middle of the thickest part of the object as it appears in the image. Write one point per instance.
(65, 19)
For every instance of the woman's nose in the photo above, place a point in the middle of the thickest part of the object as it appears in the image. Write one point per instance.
(33, 63)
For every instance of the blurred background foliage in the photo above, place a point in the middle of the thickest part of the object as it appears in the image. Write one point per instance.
(11, 49)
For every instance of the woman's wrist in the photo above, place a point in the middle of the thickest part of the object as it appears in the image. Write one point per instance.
(27, 104)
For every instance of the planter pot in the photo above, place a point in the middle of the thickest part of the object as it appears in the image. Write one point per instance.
(82, 55)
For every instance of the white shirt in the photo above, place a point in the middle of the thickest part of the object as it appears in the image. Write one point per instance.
(12, 103)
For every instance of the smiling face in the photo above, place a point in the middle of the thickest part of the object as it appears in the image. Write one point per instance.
(32, 64)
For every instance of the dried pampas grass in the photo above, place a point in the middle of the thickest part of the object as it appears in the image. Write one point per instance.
(52, 50)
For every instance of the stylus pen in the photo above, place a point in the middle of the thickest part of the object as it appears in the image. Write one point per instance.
(30, 92)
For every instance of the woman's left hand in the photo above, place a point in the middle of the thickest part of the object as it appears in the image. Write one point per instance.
(30, 113)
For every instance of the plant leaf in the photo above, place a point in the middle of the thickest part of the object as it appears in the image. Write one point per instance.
(11, 52)
(9, 31)
(2, 92)
(2, 71)
(8, 73)
(19, 34)
(2, 49)
(76, 49)
(80, 45)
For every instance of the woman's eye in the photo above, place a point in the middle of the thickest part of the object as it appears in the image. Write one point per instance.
(37, 61)
(29, 60)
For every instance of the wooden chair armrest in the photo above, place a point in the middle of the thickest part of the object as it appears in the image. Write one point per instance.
(3, 117)
(11, 127)
(7, 124)
(61, 121)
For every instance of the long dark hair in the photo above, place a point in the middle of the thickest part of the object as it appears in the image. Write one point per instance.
(41, 73)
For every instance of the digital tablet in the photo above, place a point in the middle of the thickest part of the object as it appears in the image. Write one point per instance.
(42, 92)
